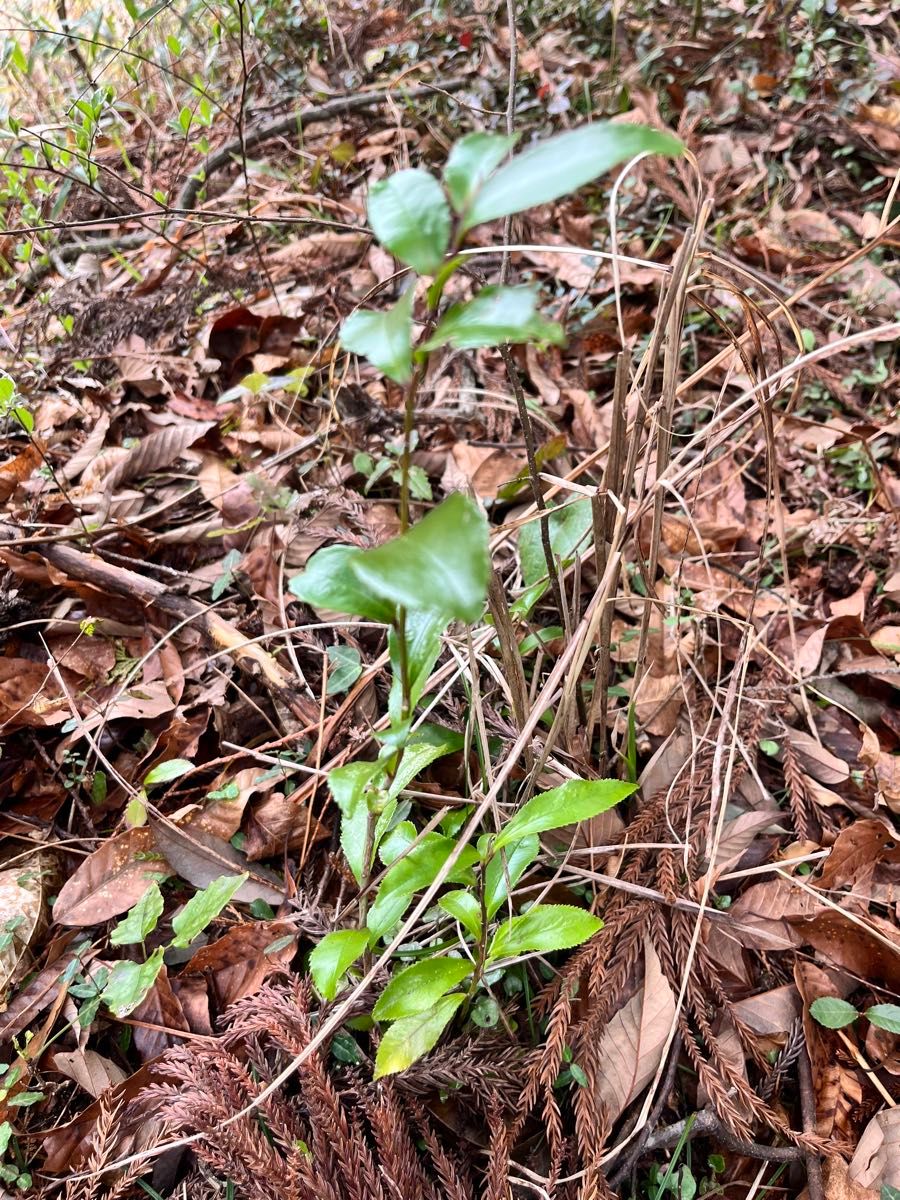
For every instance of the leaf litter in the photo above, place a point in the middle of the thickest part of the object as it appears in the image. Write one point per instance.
(195, 434)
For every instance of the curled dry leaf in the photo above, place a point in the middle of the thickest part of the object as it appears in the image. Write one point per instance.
(632, 1045)
(885, 767)
(29, 695)
(876, 1161)
(111, 880)
(237, 964)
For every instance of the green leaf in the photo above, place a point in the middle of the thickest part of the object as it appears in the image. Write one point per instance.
(344, 668)
(330, 582)
(465, 908)
(471, 160)
(129, 983)
(570, 527)
(7, 391)
(409, 1039)
(203, 907)
(6, 1131)
(140, 920)
(885, 1016)
(332, 957)
(889, 1193)
(24, 417)
(562, 164)
(410, 216)
(348, 790)
(544, 927)
(575, 800)
(165, 772)
(419, 987)
(832, 1012)
(441, 564)
(493, 316)
(505, 870)
(384, 338)
(429, 742)
(412, 873)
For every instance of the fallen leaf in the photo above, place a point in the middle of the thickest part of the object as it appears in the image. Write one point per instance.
(824, 766)
(111, 880)
(631, 1046)
(90, 1070)
(200, 858)
(876, 1160)
(237, 964)
(21, 905)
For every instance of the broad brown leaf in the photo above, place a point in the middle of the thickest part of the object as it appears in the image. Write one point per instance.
(632, 1045)
(111, 880)
(200, 858)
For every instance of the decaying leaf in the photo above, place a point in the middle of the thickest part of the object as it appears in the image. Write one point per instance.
(111, 880)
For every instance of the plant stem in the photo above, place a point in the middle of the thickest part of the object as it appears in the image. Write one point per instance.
(534, 477)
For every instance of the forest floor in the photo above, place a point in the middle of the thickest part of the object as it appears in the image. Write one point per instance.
(183, 431)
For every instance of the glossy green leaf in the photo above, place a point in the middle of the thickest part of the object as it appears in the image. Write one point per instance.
(464, 907)
(419, 987)
(428, 743)
(571, 527)
(330, 582)
(832, 1012)
(560, 165)
(575, 800)
(333, 956)
(384, 338)
(410, 216)
(411, 1038)
(441, 564)
(141, 919)
(493, 316)
(348, 789)
(544, 927)
(129, 983)
(885, 1016)
(204, 906)
(471, 160)
(165, 772)
(505, 870)
(413, 873)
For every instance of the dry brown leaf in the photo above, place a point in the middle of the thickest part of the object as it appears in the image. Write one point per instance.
(200, 858)
(740, 833)
(277, 823)
(21, 905)
(29, 695)
(18, 469)
(238, 963)
(770, 1013)
(90, 1070)
(160, 449)
(226, 491)
(632, 1045)
(885, 767)
(876, 1161)
(111, 880)
(486, 469)
(838, 1184)
(816, 760)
